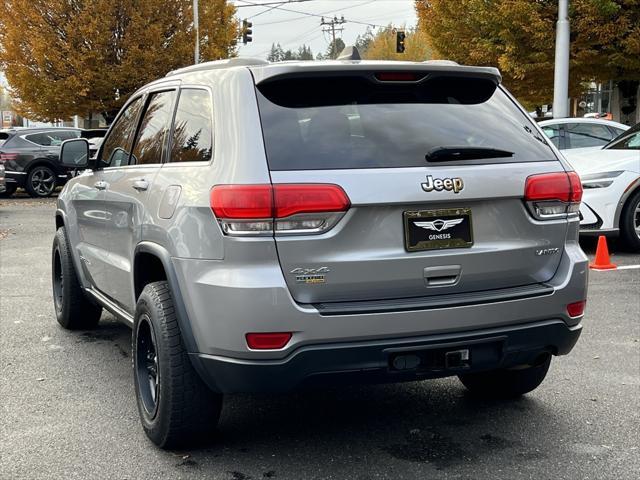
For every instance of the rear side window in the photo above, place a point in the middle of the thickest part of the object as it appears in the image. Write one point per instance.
(117, 145)
(192, 128)
(52, 139)
(553, 132)
(617, 131)
(583, 135)
(344, 122)
(155, 124)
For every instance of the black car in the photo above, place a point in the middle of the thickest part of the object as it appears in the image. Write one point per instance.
(30, 157)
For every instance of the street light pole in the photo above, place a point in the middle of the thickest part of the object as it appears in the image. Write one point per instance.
(196, 53)
(561, 71)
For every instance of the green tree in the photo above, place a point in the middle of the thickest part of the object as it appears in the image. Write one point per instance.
(67, 57)
(333, 50)
(518, 36)
(304, 53)
(277, 54)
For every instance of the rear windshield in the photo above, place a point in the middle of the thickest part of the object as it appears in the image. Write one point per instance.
(354, 122)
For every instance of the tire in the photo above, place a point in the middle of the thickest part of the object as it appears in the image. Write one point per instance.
(630, 222)
(10, 190)
(41, 181)
(506, 383)
(74, 311)
(176, 408)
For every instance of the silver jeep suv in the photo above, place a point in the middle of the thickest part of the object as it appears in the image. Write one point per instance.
(266, 227)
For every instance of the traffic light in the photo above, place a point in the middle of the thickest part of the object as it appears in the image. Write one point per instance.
(246, 31)
(400, 42)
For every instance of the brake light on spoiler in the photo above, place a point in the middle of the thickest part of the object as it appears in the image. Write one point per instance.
(284, 209)
(553, 195)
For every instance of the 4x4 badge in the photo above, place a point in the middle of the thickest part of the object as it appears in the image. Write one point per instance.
(454, 185)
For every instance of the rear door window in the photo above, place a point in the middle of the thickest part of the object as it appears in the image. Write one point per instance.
(192, 128)
(52, 139)
(154, 126)
(582, 135)
(117, 144)
(553, 132)
(344, 122)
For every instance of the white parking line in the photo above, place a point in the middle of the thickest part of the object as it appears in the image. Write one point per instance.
(621, 267)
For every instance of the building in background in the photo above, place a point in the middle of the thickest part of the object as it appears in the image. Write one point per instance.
(618, 101)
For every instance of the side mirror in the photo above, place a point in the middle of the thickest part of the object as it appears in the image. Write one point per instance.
(74, 153)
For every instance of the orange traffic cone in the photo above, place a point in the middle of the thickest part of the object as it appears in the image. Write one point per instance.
(603, 262)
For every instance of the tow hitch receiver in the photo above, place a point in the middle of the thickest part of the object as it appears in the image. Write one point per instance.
(457, 359)
(476, 354)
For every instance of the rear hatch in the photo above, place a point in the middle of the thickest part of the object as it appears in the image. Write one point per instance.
(434, 165)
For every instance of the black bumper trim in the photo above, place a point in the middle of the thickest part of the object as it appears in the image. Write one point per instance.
(433, 302)
(368, 362)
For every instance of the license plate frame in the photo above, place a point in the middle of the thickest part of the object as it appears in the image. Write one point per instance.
(422, 238)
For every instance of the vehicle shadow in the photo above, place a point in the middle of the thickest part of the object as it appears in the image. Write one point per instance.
(433, 424)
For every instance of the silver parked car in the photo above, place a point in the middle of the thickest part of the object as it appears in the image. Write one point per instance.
(267, 227)
(581, 134)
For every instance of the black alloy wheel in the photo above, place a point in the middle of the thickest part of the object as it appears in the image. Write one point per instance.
(147, 372)
(41, 181)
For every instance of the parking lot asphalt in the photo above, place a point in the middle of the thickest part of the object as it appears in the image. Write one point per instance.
(67, 406)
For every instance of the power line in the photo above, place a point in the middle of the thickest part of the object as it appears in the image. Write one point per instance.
(317, 15)
(272, 3)
(306, 15)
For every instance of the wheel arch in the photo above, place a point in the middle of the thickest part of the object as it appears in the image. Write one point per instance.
(60, 219)
(63, 222)
(631, 191)
(152, 262)
(37, 162)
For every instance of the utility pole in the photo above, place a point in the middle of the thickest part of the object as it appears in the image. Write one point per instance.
(561, 71)
(196, 53)
(331, 27)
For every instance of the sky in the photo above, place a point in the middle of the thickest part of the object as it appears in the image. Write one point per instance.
(292, 29)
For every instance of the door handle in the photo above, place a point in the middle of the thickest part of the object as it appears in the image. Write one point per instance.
(101, 185)
(140, 184)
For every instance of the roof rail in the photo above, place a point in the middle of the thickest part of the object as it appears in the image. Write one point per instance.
(349, 53)
(218, 64)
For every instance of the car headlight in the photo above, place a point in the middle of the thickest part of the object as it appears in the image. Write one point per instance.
(599, 180)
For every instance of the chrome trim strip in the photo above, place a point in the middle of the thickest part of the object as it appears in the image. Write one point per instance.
(116, 310)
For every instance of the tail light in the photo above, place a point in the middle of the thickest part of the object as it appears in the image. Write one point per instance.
(576, 309)
(267, 341)
(553, 195)
(285, 209)
(6, 157)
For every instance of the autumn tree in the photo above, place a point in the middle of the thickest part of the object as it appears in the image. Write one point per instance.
(382, 45)
(68, 57)
(518, 36)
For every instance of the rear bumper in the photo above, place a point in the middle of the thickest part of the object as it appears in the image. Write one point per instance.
(371, 362)
(15, 178)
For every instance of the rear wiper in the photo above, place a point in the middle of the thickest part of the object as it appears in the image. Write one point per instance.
(449, 154)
